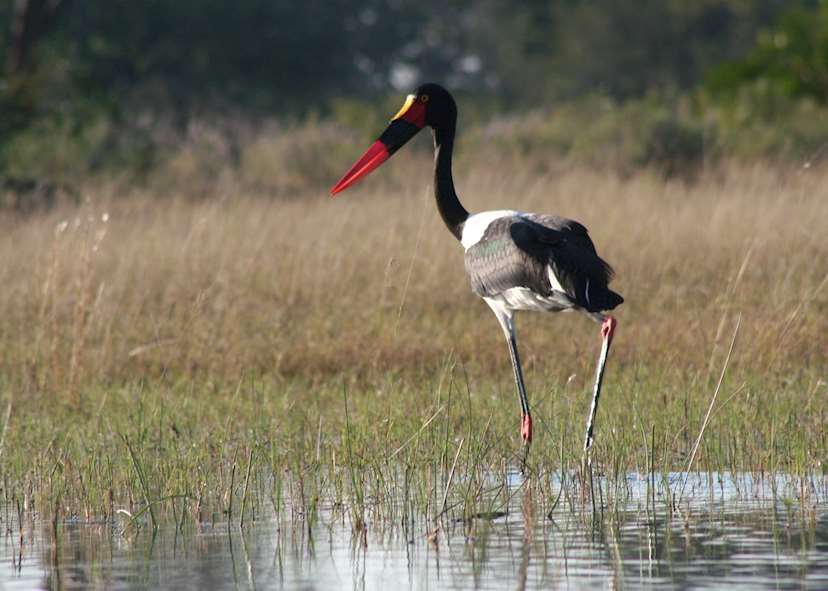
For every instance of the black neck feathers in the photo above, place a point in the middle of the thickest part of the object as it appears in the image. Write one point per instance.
(451, 210)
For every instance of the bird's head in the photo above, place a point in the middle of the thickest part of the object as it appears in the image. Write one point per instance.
(430, 105)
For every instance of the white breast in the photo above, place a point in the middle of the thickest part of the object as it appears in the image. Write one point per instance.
(475, 225)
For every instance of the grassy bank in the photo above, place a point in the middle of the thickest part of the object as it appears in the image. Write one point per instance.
(200, 354)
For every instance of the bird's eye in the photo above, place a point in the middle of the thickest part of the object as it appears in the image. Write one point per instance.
(424, 98)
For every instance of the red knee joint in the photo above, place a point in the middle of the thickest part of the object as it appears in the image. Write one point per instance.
(526, 428)
(608, 328)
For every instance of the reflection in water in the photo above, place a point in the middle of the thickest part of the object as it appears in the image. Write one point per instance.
(730, 534)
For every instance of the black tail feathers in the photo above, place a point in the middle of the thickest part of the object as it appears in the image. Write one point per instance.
(603, 299)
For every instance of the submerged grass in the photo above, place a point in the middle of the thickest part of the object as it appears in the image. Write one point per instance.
(180, 360)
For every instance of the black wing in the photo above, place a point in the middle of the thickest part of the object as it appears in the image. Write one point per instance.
(519, 251)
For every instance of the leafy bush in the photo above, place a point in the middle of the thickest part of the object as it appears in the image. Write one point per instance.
(648, 133)
(790, 60)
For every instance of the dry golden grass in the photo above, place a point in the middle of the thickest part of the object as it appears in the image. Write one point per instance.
(372, 282)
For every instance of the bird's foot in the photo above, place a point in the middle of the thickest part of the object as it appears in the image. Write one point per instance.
(608, 328)
(526, 429)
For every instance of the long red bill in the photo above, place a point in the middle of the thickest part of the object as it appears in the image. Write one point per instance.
(373, 157)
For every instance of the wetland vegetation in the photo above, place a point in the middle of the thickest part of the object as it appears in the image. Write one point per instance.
(195, 361)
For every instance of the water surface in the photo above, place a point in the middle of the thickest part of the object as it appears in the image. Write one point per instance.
(730, 532)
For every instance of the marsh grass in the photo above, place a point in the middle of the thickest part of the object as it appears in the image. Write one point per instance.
(194, 359)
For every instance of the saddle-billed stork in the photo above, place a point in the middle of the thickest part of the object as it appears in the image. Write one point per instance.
(515, 260)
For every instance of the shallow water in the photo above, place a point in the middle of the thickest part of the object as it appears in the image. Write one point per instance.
(730, 533)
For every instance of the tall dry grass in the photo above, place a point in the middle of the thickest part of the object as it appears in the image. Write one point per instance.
(309, 287)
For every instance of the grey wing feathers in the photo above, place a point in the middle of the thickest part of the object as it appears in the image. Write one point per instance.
(521, 250)
(496, 264)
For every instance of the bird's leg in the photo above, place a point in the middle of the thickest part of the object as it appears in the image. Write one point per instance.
(506, 319)
(526, 417)
(607, 331)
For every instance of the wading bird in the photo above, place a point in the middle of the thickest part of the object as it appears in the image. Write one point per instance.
(515, 260)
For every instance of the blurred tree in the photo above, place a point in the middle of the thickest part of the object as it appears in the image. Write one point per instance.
(273, 55)
(76, 63)
(30, 22)
(790, 59)
(627, 50)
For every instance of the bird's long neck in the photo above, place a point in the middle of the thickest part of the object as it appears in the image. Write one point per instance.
(451, 210)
